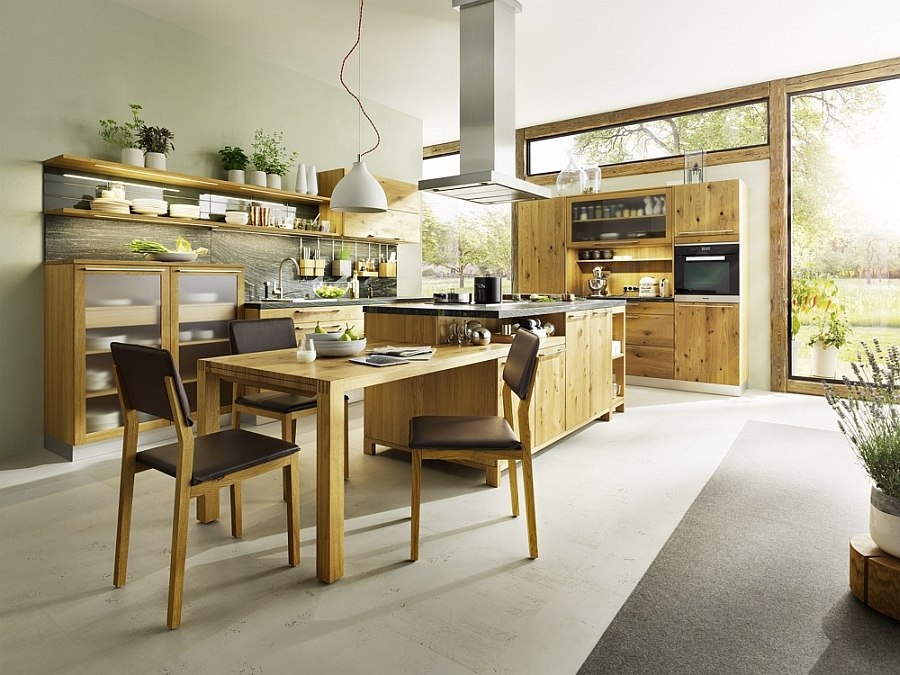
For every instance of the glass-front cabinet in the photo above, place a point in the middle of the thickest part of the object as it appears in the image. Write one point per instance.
(632, 218)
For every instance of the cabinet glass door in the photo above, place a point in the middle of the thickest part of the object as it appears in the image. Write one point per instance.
(119, 307)
(638, 219)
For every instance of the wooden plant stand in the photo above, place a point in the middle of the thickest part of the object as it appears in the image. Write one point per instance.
(874, 576)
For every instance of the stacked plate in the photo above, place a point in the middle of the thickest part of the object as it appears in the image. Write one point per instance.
(101, 342)
(150, 207)
(108, 205)
(96, 420)
(184, 211)
(95, 380)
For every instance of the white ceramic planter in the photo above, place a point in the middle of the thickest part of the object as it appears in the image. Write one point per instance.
(236, 175)
(273, 180)
(312, 180)
(300, 187)
(133, 156)
(824, 361)
(257, 178)
(155, 160)
(341, 268)
(884, 522)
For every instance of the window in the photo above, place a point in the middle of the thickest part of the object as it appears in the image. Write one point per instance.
(462, 240)
(726, 128)
(844, 223)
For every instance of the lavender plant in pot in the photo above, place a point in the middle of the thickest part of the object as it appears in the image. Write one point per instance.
(869, 416)
(126, 136)
(157, 143)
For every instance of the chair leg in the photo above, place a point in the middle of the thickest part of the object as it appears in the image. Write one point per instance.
(237, 512)
(292, 484)
(179, 552)
(415, 504)
(528, 475)
(346, 439)
(514, 487)
(288, 433)
(123, 525)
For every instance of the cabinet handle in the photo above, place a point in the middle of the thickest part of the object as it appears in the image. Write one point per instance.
(632, 316)
(185, 270)
(711, 232)
(122, 269)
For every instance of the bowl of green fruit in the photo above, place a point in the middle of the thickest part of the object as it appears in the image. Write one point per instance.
(328, 290)
(325, 332)
(347, 343)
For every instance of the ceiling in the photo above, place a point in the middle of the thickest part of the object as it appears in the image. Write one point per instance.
(574, 57)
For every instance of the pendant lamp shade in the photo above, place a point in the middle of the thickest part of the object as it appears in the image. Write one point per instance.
(358, 192)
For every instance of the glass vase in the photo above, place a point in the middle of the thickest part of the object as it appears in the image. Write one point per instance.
(570, 180)
(591, 184)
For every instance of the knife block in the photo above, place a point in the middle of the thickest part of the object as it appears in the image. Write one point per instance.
(387, 269)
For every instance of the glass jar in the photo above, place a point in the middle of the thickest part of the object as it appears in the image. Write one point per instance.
(570, 180)
(591, 184)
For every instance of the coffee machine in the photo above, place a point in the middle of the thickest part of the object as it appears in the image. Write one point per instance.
(599, 284)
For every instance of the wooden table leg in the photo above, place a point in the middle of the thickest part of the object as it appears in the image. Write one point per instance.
(330, 483)
(207, 422)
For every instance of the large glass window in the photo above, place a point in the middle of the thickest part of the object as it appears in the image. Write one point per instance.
(462, 240)
(844, 224)
(738, 126)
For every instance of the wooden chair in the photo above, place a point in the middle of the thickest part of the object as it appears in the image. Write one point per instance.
(148, 381)
(263, 335)
(484, 438)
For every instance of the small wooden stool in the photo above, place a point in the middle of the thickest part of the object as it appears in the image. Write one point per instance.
(874, 576)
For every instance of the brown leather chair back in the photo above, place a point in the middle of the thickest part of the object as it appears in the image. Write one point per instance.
(261, 335)
(142, 373)
(521, 362)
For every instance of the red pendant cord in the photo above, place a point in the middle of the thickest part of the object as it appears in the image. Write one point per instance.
(358, 101)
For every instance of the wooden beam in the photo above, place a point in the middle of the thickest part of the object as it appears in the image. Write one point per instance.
(779, 265)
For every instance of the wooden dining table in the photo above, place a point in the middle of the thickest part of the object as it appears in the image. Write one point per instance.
(328, 379)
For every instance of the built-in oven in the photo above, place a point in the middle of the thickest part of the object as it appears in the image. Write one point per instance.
(707, 273)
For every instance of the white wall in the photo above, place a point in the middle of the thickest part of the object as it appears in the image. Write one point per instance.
(756, 177)
(66, 65)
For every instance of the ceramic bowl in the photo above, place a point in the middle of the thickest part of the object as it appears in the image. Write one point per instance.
(340, 347)
(237, 217)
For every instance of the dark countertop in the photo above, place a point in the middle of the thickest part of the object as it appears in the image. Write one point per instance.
(633, 297)
(318, 302)
(504, 310)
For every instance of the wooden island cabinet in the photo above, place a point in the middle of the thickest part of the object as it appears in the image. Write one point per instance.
(574, 379)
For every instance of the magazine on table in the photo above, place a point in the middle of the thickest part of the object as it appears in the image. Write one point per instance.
(411, 352)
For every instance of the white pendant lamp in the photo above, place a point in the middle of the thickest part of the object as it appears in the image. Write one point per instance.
(358, 191)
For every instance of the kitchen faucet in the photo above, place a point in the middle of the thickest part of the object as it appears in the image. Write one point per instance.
(279, 289)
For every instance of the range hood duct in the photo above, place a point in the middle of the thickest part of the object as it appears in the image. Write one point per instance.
(487, 100)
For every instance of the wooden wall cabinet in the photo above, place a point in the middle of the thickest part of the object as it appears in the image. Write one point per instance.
(619, 219)
(707, 343)
(708, 211)
(542, 264)
(650, 327)
(401, 221)
(89, 304)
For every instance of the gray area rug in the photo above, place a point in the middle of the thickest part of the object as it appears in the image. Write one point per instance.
(755, 577)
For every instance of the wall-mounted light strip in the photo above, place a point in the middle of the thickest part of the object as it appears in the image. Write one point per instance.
(107, 181)
(155, 174)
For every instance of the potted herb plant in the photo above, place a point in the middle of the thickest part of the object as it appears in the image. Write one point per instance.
(234, 161)
(342, 266)
(830, 332)
(808, 293)
(269, 157)
(157, 142)
(869, 416)
(126, 136)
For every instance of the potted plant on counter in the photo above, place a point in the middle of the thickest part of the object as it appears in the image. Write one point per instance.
(126, 136)
(234, 161)
(157, 142)
(342, 266)
(869, 416)
(269, 157)
(830, 332)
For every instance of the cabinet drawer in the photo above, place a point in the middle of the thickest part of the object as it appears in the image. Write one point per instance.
(327, 315)
(650, 361)
(649, 307)
(655, 330)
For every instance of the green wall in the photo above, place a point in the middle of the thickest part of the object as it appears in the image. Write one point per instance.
(64, 66)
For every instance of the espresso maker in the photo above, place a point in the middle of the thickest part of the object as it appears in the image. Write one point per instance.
(599, 284)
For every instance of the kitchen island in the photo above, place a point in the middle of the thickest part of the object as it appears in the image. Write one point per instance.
(580, 377)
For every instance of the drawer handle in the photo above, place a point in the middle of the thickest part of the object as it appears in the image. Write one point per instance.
(123, 269)
(632, 316)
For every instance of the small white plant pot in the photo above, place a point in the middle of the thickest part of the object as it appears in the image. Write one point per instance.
(155, 160)
(257, 178)
(884, 522)
(133, 156)
(341, 268)
(273, 180)
(236, 175)
(312, 180)
(824, 361)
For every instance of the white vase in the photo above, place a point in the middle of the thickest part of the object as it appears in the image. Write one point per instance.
(824, 361)
(884, 522)
(312, 180)
(257, 178)
(155, 160)
(301, 185)
(273, 180)
(133, 156)
(236, 175)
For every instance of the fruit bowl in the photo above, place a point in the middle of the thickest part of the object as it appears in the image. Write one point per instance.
(327, 335)
(331, 291)
(338, 347)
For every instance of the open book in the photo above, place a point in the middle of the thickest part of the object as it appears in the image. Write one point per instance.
(416, 353)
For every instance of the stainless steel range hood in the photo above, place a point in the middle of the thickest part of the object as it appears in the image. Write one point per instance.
(487, 99)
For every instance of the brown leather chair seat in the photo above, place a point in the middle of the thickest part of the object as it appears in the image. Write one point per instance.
(435, 431)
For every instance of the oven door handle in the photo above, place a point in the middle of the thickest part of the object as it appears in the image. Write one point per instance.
(703, 258)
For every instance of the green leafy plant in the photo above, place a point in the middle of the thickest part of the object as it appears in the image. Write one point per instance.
(124, 135)
(234, 159)
(269, 154)
(344, 253)
(808, 293)
(156, 139)
(869, 414)
(830, 327)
